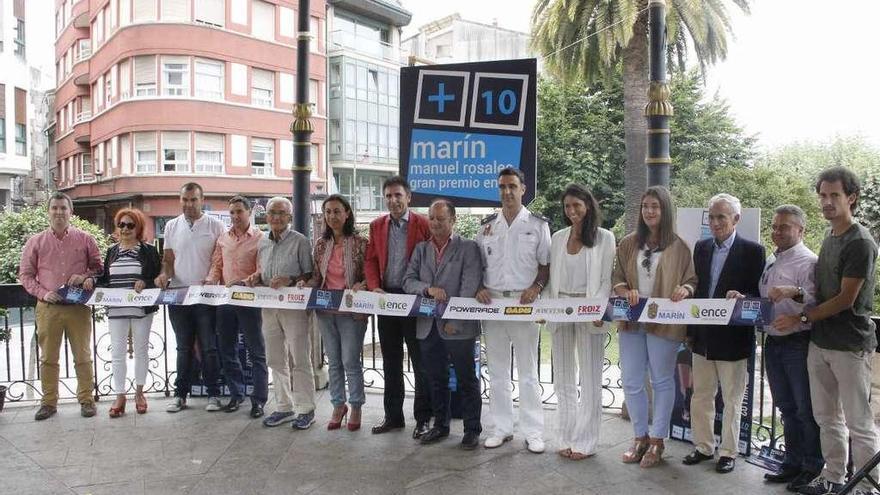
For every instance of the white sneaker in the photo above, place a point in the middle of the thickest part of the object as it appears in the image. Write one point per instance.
(535, 445)
(213, 404)
(177, 405)
(496, 441)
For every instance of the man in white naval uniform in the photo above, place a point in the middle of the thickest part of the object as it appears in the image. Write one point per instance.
(515, 245)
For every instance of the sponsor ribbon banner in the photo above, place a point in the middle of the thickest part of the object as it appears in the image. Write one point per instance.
(325, 299)
(688, 311)
(124, 297)
(556, 310)
(379, 303)
(619, 309)
(267, 297)
(73, 295)
(752, 311)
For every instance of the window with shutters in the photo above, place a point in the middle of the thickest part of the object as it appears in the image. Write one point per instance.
(124, 80)
(85, 168)
(145, 152)
(2, 134)
(209, 79)
(211, 12)
(175, 10)
(209, 153)
(20, 122)
(99, 28)
(175, 152)
(264, 20)
(108, 89)
(124, 12)
(145, 75)
(314, 95)
(144, 10)
(262, 88)
(262, 157)
(108, 156)
(175, 76)
(18, 41)
(85, 49)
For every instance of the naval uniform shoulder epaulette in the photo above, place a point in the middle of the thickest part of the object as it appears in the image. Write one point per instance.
(490, 218)
(540, 217)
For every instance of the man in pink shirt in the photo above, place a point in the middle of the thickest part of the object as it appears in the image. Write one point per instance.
(234, 259)
(61, 255)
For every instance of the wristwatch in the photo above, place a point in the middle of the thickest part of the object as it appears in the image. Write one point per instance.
(804, 318)
(800, 292)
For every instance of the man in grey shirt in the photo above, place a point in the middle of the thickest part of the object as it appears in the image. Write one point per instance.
(843, 340)
(284, 258)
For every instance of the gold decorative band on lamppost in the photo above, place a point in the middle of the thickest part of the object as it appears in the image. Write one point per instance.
(659, 104)
(302, 114)
(659, 131)
(658, 161)
(302, 169)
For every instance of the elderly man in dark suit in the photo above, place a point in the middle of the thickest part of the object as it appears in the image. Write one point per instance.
(447, 266)
(727, 265)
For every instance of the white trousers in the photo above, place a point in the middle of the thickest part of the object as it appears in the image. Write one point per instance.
(578, 357)
(140, 343)
(288, 338)
(499, 336)
(708, 374)
(840, 383)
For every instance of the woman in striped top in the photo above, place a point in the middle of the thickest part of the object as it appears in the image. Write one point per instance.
(130, 264)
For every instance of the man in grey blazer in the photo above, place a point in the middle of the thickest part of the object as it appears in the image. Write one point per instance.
(447, 266)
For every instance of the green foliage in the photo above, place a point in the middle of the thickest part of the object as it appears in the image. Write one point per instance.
(467, 226)
(17, 227)
(580, 139)
(807, 159)
(588, 38)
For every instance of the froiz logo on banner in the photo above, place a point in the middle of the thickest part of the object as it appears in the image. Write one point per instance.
(296, 298)
(589, 309)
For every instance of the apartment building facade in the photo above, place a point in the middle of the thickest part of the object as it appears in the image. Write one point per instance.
(16, 110)
(155, 93)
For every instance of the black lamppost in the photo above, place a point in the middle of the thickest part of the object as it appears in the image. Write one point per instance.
(659, 107)
(301, 127)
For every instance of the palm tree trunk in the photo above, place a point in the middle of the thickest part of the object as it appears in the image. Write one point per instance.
(635, 127)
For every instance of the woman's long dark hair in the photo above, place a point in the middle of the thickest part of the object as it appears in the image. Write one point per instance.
(667, 218)
(348, 227)
(591, 222)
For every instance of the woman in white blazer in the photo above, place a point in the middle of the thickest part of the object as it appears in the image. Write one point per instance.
(581, 260)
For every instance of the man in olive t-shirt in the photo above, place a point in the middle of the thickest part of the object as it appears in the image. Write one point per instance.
(842, 341)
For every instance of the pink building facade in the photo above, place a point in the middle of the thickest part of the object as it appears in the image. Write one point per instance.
(155, 93)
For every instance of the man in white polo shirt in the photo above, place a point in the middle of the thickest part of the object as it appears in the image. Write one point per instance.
(186, 260)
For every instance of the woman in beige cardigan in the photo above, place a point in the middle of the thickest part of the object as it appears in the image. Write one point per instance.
(653, 261)
(581, 258)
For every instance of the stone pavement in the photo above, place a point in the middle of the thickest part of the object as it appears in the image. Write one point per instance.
(195, 452)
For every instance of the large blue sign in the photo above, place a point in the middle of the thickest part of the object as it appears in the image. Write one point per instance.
(460, 124)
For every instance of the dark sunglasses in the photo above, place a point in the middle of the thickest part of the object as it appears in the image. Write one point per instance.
(125, 225)
(646, 263)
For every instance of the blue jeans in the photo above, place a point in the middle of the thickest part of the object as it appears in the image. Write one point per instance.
(190, 323)
(640, 353)
(249, 321)
(786, 361)
(343, 341)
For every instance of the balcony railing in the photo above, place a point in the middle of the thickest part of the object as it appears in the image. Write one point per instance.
(83, 116)
(84, 54)
(379, 49)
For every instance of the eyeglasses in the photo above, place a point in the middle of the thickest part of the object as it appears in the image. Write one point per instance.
(277, 213)
(125, 225)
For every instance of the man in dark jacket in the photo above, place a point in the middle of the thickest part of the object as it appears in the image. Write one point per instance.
(727, 265)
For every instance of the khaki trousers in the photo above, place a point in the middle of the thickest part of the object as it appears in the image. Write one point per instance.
(288, 338)
(54, 321)
(840, 384)
(708, 374)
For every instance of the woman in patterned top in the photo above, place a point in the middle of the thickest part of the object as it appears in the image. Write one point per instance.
(339, 264)
(130, 264)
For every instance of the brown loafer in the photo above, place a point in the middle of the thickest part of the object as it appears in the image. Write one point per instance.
(45, 412)
(635, 453)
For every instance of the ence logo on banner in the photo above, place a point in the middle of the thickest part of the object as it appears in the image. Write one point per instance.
(134, 297)
(518, 310)
(709, 313)
(243, 296)
(386, 305)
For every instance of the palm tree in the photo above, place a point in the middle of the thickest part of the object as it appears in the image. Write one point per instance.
(584, 40)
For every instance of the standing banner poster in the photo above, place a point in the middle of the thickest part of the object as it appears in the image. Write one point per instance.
(692, 225)
(460, 124)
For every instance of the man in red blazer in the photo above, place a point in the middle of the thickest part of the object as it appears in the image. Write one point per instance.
(392, 239)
